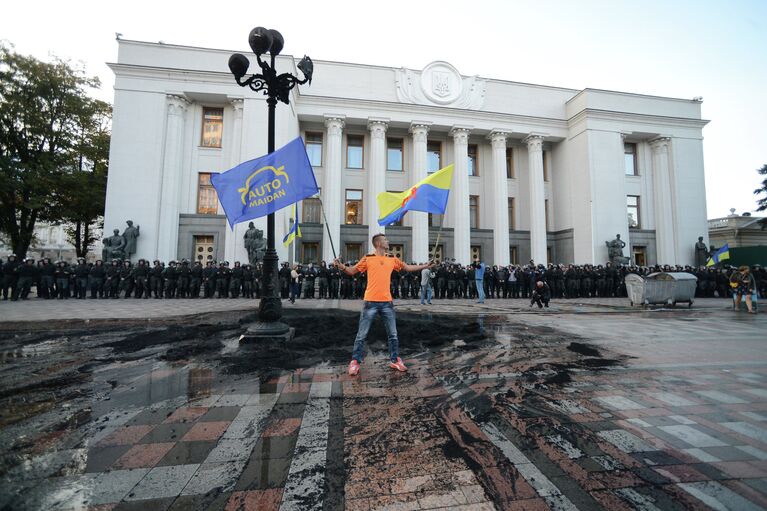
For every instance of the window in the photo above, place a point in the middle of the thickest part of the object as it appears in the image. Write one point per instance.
(435, 256)
(353, 251)
(476, 253)
(545, 166)
(433, 156)
(640, 255)
(546, 209)
(354, 207)
(207, 200)
(311, 211)
(513, 255)
(354, 151)
(395, 154)
(314, 148)
(309, 252)
(474, 211)
(632, 203)
(203, 248)
(435, 219)
(212, 127)
(509, 163)
(630, 157)
(473, 161)
(512, 224)
(397, 251)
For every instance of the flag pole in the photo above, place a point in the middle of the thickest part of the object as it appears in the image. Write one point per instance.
(332, 246)
(441, 221)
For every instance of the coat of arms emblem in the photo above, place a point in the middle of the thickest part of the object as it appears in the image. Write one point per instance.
(440, 83)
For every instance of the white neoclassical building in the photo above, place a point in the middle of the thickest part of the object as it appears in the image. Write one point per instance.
(542, 173)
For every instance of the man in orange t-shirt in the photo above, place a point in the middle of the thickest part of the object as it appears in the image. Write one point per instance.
(378, 299)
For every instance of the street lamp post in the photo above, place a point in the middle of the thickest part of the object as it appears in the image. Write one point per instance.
(276, 87)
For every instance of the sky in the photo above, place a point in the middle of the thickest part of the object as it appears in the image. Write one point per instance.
(675, 48)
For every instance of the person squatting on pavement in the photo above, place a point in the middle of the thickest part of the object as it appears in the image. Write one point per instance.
(541, 295)
(378, 300)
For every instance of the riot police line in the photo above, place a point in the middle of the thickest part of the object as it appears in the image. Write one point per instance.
(448, 280)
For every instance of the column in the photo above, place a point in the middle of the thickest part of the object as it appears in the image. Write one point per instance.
(500, 207)
(376, 174)
(462, 225)
(170, 194)
(664, 215)
(537, 201)
(331, 193)
(419, 221)
(234, 247)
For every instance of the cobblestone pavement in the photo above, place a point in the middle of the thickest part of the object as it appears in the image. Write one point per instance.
(589, 405)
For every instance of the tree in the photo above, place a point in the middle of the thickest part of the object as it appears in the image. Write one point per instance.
(53, 137)
(761, 202)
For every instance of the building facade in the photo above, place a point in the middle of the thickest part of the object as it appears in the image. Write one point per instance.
(542, 173)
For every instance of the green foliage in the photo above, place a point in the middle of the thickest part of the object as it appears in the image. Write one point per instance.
(54, 143)
(761, 202)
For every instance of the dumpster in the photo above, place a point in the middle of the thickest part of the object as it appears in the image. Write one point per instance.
(670, 288)
(667, 288)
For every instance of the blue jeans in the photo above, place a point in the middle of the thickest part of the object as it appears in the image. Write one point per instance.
(426, 293)
(480, 290)
(368, 313)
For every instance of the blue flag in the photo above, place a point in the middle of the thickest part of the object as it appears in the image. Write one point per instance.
(258, 187)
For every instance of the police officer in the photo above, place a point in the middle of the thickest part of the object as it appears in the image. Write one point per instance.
(184, 275)
(235, 280)
(284, 275)
(258, 274)
(322, 278)
(222, 279)
(195, 280)
(81, 271)
(209, 279)
(141, 279)
(10, 277)
(61, 274)
(155, 279)
(170, 276)
(46, 288)
(27, 275)
(247, 281)
(334, 280)
(96, 279)
(126, 278)
(112, 284)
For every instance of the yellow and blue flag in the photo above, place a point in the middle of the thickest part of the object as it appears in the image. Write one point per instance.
(295, 230)
(428, 195)
(258, 187)
(719, 256)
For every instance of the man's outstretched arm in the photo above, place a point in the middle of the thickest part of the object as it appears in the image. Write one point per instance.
(418, 267)
(349, 270)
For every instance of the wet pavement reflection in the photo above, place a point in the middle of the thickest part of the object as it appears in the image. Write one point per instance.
(497, 411)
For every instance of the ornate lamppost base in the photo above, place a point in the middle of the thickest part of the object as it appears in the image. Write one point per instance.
(267, 332)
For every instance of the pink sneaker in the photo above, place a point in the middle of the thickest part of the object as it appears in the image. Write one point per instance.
(398, 365)
(354, 368)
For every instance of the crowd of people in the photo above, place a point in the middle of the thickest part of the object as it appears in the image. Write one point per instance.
(447, 280)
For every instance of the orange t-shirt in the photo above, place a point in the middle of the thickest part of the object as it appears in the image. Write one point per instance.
(379, 270)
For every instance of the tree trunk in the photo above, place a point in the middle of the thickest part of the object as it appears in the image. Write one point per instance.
(78, 239)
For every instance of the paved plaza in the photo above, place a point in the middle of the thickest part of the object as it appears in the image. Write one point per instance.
(154, 405)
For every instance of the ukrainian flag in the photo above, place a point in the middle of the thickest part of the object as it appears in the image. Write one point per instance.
(295, 231)
(719, 256)
(428, 195)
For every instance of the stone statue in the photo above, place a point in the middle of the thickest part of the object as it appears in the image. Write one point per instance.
(130, 234)
(113, 247)
(255, 244)
(615, 250)
(701, 253)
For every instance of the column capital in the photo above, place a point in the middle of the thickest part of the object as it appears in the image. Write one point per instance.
(238, 104)
(660, 144)
(498, 138)
(378, 126)
(460, 134)
(176, 104)
(534, 142)
(420, 130)
(335, 124)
